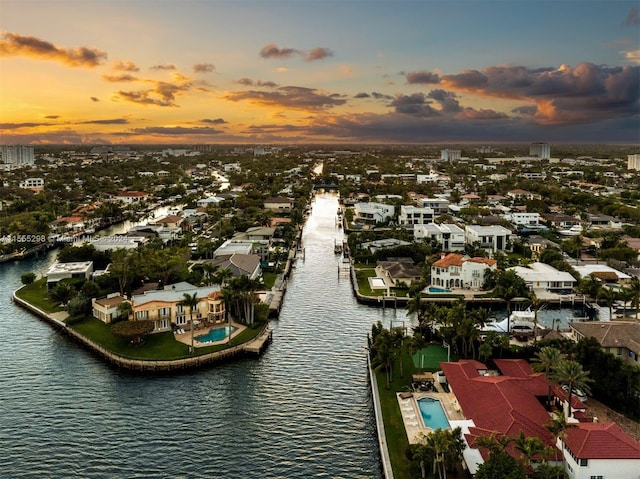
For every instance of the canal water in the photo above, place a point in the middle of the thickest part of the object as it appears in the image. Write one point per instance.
(302, 410)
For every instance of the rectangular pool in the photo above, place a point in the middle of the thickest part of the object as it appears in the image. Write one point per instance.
(433, 415)
(215, 334)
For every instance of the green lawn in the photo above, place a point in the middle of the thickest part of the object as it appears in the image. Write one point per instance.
(397, 441)
(36, 294)
(363, 275)
(269, 279)
(156, 347)
(430, 357)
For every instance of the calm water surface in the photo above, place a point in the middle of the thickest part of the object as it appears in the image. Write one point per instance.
(301, 410)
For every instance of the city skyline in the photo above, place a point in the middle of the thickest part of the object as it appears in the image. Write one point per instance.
(319, 72)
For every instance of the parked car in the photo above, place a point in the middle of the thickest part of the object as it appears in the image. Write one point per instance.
(576, 392)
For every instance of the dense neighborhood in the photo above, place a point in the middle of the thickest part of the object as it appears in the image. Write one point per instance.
(188, 251)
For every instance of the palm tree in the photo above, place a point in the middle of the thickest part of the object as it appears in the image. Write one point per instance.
(570, 372)
(529, 448)
(635, 287)
(547, 360)
(609, 296)
(558, 426)
(445, 447)
(190, 300)
(383, 354)
(210, 270)
(535, 304)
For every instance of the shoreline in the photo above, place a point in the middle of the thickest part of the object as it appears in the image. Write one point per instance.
(254, 347)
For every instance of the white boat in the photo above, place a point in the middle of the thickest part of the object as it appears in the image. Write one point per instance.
(575, 230)
(518, 322)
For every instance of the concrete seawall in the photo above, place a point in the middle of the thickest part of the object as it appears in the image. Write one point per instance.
(382, 438)
(254, 347)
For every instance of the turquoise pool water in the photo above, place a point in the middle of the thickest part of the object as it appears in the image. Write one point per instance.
(432, 413)
(215, 334)
(435, 289)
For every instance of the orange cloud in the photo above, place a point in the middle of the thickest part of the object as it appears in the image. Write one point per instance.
(125, 66)
(13, 44)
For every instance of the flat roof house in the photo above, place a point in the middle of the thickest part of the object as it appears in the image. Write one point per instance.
(59, 271)
(544, 276)
(492, 238)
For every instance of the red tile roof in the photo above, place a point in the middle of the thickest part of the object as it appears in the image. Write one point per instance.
(452, 259)
(596, 440)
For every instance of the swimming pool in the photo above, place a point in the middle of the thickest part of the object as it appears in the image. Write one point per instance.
(435, 289)
(215, 334)
(377, 283)
(433, 415)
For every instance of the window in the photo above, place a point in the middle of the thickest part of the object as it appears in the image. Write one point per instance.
(180, 320)
(619, 351)
(141, 315)
(596, 477)
(584, 462)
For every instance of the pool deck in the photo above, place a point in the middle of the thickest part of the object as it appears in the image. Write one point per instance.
(411, 413)
(186, 336)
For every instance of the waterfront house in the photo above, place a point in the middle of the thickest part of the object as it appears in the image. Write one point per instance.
(59, 271)
(164, 309)
(511, 403)
(399, 272)
(620, 338)
(546, 277)
(106, 309)
(372, 213)
(130, 197)
(457, 270)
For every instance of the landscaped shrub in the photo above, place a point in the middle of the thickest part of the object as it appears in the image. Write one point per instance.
(28, 278)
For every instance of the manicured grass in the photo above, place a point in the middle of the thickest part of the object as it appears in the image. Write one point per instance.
(269, 279)
(430, 357)
(363, 275)
(160, 346)
(36, 294)
(156, 347)
(397, 441)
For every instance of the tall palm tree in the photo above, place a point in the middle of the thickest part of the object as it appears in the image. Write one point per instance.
(547, 360)
(570, 372)
(190, 300)
(635, 287)
(609, 296)
(383, 354)
(535, 304)
(529, 448)
(210, 270)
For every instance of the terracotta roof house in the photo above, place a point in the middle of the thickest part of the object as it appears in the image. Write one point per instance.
(600, 450)
(621, 338)
(512, 403)
(457, 270)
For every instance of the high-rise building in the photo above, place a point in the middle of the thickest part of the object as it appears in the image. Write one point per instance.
(449, 155)
(541, 150)
(633, 162)
(16, 156)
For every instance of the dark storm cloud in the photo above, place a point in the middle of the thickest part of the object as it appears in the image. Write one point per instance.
(584, 93)
(447, 100)
(527, 110)
(423, 76)
(362, 95)
(297, 98)
(13, 44)
(415, 105)
(203, 67)
(172, 131)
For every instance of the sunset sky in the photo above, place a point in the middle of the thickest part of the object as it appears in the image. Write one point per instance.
(330, 71)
